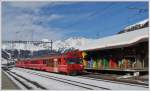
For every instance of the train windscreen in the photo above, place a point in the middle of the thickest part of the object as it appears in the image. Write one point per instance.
(74, 61)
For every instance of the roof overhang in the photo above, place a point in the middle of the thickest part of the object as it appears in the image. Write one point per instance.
(119, 40)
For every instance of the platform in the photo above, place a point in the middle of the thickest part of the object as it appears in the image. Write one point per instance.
(119, 71)
(7, 83)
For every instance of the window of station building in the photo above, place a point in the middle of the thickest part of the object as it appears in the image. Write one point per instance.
(87, 58)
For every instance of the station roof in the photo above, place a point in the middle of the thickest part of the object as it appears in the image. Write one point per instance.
(139, 23)
(118, 40)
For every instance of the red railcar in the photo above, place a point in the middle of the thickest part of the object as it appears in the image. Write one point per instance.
(68, 63)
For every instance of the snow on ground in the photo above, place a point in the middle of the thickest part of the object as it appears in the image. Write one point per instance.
(51, 84)
(48, 83)
(14, 81)
(4, 61)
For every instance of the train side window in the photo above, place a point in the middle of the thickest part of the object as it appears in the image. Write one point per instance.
(33, 62)
(44, 61)
(50, 62)
(47, 62)
(59, 60)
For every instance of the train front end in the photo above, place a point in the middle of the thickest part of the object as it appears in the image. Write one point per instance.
(74, 63)
(75, 66)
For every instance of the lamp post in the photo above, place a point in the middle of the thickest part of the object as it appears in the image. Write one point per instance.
(32, 35)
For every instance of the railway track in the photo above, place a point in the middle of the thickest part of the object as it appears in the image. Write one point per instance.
(117, 82)
(23, 82)
(125, 83)
(83, 84)
(70, 82)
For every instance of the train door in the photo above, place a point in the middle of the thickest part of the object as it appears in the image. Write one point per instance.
(55, 65)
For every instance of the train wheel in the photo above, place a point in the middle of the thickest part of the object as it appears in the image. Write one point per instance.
(67, 73)
(73, 73)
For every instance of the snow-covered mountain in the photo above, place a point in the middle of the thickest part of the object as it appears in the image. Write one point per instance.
(73, 42)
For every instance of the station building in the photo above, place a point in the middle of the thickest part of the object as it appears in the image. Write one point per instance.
(123, 52)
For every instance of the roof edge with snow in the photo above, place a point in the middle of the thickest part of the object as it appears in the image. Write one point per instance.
(118, 40)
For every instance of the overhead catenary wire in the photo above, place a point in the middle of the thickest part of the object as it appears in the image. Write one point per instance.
(130, 18)
(105, 11)
(125, 23)
(89, 16)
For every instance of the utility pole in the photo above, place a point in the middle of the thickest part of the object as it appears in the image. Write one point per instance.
(17, 35)
(32, 35)
(51, 45)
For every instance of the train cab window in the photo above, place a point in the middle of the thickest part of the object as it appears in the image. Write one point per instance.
(74, 61)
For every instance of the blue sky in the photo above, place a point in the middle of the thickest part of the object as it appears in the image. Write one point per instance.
(62, 20)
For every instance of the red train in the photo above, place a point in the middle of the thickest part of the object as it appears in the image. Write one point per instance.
(68, 63)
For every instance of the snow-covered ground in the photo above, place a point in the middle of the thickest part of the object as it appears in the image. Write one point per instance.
(47, 83)
(57, 85)
(4, 61)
